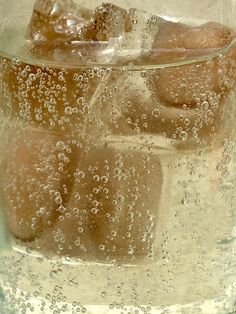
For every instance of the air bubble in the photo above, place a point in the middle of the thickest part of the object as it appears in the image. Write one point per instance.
(32, 77)
(80, 230)
(183, 135)
(58, 200)
(53, 274)
(94, 210)
(101, 247)
(96, 178)
(156, 113)
(24, 74)
(103, 294)
(184, 201)
(68, 110)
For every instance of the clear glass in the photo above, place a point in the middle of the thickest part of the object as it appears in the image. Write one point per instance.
(117, 157)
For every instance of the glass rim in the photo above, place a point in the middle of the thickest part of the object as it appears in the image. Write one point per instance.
(131, 65)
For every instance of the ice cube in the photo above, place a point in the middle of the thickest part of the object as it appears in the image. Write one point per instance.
(114, 206)
(176, 41)
(124, 191)
(203, 86)
(56, 21)
(37, 180)
(189, 84)
(69, 236)
(130, 104)
(67, 32)
(186, 103)
(108, 21)
(140, 32)
(53, 24)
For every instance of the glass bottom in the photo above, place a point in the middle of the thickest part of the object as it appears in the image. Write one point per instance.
(41, 286)
(225, 305)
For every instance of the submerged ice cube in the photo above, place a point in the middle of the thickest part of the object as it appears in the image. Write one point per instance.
(113, 211)
(37, 180)
(203, 87)
(190, 84)
(186, 102)
(123, 202)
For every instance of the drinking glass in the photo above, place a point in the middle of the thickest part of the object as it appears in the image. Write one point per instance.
(117, 157)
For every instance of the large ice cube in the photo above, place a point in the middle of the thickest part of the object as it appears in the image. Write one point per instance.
(113, 211)
(123, 201)
(203, 86)
(37, 180)
(129, 105)
(193, 83)
(184, 102)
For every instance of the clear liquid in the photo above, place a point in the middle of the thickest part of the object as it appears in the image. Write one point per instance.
(192, 267)
(196, 246)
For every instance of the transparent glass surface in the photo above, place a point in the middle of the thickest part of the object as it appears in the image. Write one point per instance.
(117, 157)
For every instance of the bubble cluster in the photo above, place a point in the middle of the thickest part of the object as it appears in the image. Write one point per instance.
(112, 172)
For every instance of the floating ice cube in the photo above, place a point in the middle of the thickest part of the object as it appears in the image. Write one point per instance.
(108, 21)
(65, 32)
(141, 30)
(56, 20)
